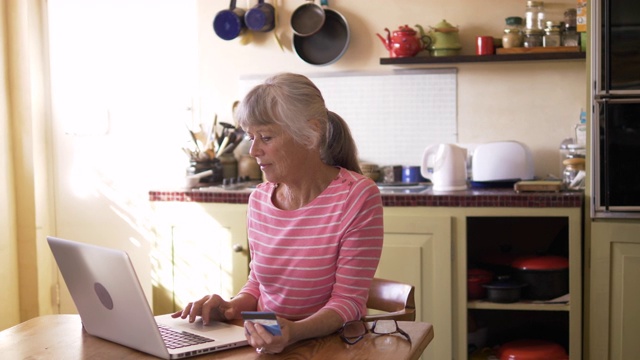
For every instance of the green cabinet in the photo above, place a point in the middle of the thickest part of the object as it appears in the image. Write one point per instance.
(614, 316)
(417, 250)
(199, 248)
(432, 247)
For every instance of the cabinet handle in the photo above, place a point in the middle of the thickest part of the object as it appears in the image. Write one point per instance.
(237, 248)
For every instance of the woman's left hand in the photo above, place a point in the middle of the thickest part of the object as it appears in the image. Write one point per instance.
(263, 341)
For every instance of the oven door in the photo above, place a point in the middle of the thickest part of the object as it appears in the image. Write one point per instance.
(617, 35)
(616, 158)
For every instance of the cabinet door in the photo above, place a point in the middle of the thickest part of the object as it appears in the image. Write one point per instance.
(417, 250)
(614, 317)
(200, 249)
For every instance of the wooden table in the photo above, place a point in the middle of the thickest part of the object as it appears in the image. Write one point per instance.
(62, 337)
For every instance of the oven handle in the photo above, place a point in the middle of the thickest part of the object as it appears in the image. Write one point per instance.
(608, 99)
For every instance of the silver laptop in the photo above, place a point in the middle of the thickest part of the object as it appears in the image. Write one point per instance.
(112, 305)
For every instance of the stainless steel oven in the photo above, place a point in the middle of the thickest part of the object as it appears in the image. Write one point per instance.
(615, 56)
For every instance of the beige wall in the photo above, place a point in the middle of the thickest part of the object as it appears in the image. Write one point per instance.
(9, 295)
(537, 103)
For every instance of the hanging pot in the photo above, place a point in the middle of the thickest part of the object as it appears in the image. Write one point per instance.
(229, 24)
(307, 19)
(328, 44)
(261, 17)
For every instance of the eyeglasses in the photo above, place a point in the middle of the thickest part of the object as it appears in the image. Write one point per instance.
(354, 331)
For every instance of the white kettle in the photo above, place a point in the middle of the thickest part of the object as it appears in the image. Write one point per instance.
(446, 166)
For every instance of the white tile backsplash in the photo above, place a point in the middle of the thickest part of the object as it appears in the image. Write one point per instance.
(393, 116)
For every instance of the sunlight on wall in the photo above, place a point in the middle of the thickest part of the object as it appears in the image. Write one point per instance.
(198, 247)
(122, 90)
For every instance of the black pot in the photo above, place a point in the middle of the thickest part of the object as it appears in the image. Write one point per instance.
(504, 291)
(327, 45)
(547, 276)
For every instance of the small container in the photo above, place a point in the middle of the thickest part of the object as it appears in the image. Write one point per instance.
(552, 36)
(512, 32)
(570, 38)
(512, 38)
(563, 153)
(214, 165)
(570, 17)
(574, 162)
(229, 166)
(534, 15)
(532, 38)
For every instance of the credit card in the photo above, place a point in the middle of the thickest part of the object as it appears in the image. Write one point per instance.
(264, 318)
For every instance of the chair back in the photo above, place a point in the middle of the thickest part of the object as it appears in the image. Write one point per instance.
(391, 300)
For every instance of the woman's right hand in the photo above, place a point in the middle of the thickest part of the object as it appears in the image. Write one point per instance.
(210, 308)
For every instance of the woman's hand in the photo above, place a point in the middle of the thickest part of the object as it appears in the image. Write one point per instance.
(210, 308)
(263, 341)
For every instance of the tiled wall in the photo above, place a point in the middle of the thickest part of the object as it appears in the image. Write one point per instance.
(393, 116)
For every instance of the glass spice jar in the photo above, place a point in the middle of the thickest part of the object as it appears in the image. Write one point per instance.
(534, 15)
(570, 35)
(512, 36)
(552, 35)
(532, 38)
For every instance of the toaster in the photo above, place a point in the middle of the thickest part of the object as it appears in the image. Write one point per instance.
(501, 161)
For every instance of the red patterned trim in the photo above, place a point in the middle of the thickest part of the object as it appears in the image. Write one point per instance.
(469, 198)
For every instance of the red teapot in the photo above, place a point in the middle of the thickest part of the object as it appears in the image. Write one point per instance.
(404, 42)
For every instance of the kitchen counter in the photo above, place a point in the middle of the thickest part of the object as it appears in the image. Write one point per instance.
(498, 197)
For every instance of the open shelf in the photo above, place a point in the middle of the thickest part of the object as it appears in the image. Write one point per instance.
(521, 305)
(417, 60)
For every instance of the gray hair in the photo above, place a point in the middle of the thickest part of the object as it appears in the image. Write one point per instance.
(290, 101)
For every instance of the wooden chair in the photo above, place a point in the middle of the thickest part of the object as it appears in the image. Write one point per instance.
(390, 299)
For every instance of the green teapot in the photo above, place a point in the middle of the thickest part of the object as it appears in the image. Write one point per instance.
(445, 39)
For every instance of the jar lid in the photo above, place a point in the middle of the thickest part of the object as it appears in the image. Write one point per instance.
(513, 20)
(444, 26)
(534, 3)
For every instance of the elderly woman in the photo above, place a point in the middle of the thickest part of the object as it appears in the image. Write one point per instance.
(315, 226)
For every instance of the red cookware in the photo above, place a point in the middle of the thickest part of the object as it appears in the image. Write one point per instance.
(404, 42)
(547, 276)
(531, 349)
(475, 279)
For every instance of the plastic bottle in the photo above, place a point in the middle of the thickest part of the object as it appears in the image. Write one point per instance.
(581, 129)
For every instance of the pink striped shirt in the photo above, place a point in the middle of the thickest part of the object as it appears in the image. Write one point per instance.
(321, 256)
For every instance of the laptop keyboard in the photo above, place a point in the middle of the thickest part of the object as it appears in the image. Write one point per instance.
(179, 339)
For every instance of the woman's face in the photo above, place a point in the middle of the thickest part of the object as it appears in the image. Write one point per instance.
(281, 159)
